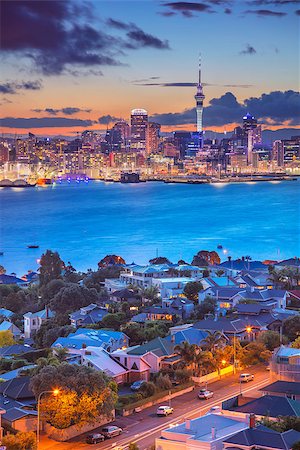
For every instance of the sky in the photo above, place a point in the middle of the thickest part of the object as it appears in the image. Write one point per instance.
(71, 65)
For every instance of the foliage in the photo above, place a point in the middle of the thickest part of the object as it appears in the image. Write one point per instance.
(291, 327)
(254, 353)
(192, 289)
(113, 321)
(296, 343)
(182, 375)
(111, 260)
(163, 382)
(135, 333)
(159, 260)
(150, 293)
(20, 441)
(213, 340)
(296, 446)
(50, 331)
(93, 279)
(194, 358)
(49, 290)
(208, 306)
(51, 267)
(282, 424)
(2, 270)
(84, 394)
(17, 363)
(271, 339)
(6, 338)
(73, 297)
(148, 389)
(133, 446)
(205, 258)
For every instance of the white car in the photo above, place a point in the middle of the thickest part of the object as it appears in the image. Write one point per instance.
(245, 377)
(204, 394)
(164, 410)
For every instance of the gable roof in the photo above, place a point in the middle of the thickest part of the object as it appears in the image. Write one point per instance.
(16, 413)
(16, 349)
(239, 264)
(283, 387)
(17, 388)
(271, 405)
(43, 314)
(6, 312)
(190, 335)
(159, 346)
(10, 279)
(264, 437)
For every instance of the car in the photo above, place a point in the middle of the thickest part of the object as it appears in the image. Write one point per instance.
(245, 377)
(94, 438)
(164, 411)
(204, 394)
(137, 385)
(111, 431)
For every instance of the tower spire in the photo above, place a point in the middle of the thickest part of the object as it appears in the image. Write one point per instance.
(199, 68)
(199, 97)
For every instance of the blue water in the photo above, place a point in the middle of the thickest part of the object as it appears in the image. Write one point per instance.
(84, 222)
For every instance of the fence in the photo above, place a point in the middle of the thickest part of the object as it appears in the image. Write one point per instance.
(213, 376)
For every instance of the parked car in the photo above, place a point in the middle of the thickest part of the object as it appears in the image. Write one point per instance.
(245, 377)
(94, 438)
(164, 410)
(137, 385)
(111, 431)
(204, 394)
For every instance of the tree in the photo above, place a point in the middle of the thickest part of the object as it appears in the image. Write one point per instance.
(85, 394)
(208, 306)
(73, 297)
(111, 260)
(135, 333)
(213, 340)
(159, 260)
(205, 258)
(282, 424)
(254, 353)
(6, 338)
(163, 382)
(21, 441)
(194, 358)
(50, 331)
(271, 339)
(133, 446)
(192, 289)
(296, 446)
(150, 293)
(51, 267)
(296, 343)
(113, 321)
(2, 270)
(50, 289)
(291, 327)
(148, 389)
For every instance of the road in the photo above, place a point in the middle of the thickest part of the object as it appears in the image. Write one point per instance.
(145, 426)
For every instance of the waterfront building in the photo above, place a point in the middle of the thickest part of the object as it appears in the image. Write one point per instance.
(139, 124)
(153, 137)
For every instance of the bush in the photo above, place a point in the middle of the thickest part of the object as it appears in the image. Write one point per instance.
(20, 441)
(19, 363)
(163, 383)
(183, 375)
(148, 389)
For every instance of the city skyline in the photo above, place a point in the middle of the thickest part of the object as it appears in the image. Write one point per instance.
(74, 66)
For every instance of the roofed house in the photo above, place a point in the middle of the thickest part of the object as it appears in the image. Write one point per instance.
(88, 315)
(33, 321)
(9, 326)
(12, 279)
(6, 313)
(285, 364)
(286, 389)
(14, 350)
(100, 359)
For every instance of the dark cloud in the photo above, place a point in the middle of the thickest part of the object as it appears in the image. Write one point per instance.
(186, 84)
(276, 107)
(54, 36)
(265, 13)
(188, 8)
(117, 24)
(68, 111)
(249, 50)
(273, 2)
(297, 12)
(104, 120)
(43, 122)
(12, 87)
(227, 11)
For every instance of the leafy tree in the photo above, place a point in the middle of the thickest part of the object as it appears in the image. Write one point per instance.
(113, 321)
(133, 446)
(254, 353)
(134, 332)
(156, 329)
(111, 260)
(163, 382)
(213, 340)
(84, 394)
(182, 375)
(222, 357)
(51, 267)
(271, 339)
(93, 279)
(194, 358)
(73, 297)
(296, 343)
(208, 306)
(2, 270)
(6, 338)
(282, 424)
(148, 389)
(205, 258)
(291, 327)
(50, 331)
(50, 289)
(296, 446)
(150, 293)
(21, 441)
(159, 260)
(192, 289)
(17, 363)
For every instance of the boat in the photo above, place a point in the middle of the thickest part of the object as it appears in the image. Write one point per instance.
(15, 184)
(33, 246)
(220, 246)
(44, 182)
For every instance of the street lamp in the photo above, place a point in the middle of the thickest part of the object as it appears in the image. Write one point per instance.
(54, 392)
(249, 330)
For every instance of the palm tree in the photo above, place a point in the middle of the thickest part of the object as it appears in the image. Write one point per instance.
(188, 353)
(276, 276)
(213, 340)
(150, 293)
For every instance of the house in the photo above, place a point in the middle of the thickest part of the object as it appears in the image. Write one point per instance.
(190, 335)
(293, 298)
(14, 350)
(125, 295)
(6, 313)
(223, 295)
(285, 364)
(168, 310)
(246, 329)
(12, 279)
(267, 405)
(88, 315)
(183, 305)
(286, 389)
(218, 282)
(9, 326)
(170, 287)
(143, 276)
(138, 368)
(84, 337)
(18, 389)
(203, 433)
(15, 373)
(263, 438)
(243, 264)
(292, 263)
(20, 419)
(275, 296)
(33, 321)
(31, 277)
(100, 359)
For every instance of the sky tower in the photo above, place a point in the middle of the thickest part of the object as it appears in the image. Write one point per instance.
(199, 97)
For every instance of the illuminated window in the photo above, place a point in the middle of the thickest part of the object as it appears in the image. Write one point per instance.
(225, 305)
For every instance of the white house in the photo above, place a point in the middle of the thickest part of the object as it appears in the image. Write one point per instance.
(33, 321)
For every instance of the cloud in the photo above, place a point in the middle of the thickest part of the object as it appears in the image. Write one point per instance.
(249, 50)
(105, 120)
(188, 8)
(273, 2)
(54, 36)
(69, 110)
(265, 13)
(276, 107)
(227, 11)
(185, 84)
(12, 87)
(43, 122)
(297, 12)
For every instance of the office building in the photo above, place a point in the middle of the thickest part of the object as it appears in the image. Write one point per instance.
(153, 137)
(139, 124)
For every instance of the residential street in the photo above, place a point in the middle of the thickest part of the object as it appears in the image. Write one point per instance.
(145, 426)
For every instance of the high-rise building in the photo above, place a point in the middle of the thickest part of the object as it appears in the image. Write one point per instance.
(120, 136)
(249, 123)
(139, 124)
(153, 137)
(199, 97)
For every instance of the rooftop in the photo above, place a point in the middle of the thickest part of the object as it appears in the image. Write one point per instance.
(283, 387)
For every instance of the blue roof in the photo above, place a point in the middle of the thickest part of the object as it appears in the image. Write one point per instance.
(190, 335)
(43, 313)
(10, 279)
(88, 337)
(5, 325)
(6, 312)
(15, 373)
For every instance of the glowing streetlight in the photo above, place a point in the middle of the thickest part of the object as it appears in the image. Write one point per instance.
(223, 362)
(54, 392)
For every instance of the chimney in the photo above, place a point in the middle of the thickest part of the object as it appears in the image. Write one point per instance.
(173, 338)
(188, 424)
(47, 312)
(213, 433)
(251, 420)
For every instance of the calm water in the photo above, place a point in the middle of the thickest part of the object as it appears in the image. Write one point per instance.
(84, 222)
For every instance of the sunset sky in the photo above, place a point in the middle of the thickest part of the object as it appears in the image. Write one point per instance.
(74, 65)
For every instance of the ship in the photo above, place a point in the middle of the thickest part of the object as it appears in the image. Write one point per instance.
(130, 177)
(16, 184)
(44, 182)
(33, 246)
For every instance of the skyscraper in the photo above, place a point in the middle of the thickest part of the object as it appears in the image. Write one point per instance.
(199, 97)
(139, 124)
(153, 130)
